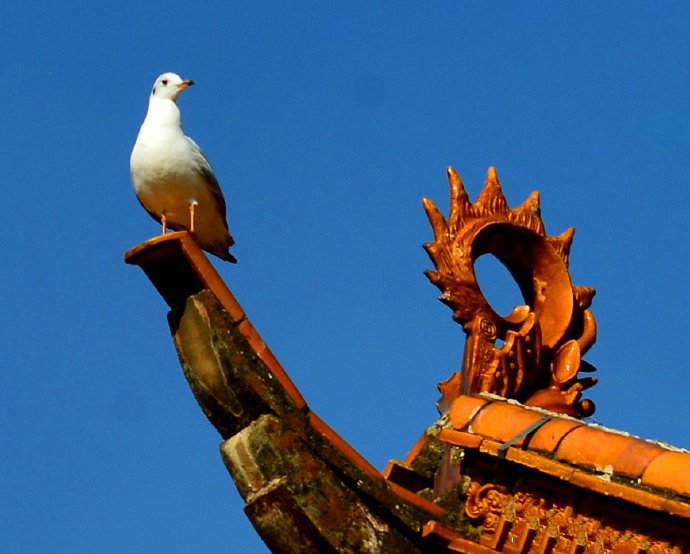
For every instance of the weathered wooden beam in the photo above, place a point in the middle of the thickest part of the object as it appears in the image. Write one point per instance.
(306, 489)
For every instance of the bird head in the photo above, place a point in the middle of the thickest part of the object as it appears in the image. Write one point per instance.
(169, 86)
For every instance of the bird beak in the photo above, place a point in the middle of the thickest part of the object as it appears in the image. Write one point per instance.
(185, 84)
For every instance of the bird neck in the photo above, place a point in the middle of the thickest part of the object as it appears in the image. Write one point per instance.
(163, 112)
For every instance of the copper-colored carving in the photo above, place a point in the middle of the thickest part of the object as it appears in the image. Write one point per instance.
(486, 502)
(541, 521)
(543, 340)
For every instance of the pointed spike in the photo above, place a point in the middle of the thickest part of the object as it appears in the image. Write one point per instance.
(563, 242)
(534, 200)
(431, 248)
(432, 276)
(491, 197)
(559, 247)
(530, 206)
(583, 296)
(453, 177)
(458, 198)
(434, 253)
(438, 222)
(567, 236)
(586, 367)
(587, 382)
(491, 182)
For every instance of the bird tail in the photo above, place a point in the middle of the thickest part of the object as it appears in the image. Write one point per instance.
(225, 255)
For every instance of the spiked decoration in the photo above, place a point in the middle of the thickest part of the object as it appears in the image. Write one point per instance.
(543, 340)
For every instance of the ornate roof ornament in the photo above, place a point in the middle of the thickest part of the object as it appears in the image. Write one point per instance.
(534, 354)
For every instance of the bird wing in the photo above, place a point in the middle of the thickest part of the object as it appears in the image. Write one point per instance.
(204, 167)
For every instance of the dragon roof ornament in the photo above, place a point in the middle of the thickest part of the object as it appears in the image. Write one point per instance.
(534, 354)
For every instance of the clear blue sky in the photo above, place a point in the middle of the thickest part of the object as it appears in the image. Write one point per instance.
(326, 124)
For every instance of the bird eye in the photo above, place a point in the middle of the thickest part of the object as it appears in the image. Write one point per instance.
(164, 81)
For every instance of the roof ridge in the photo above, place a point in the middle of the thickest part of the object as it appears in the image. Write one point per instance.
(497, 425)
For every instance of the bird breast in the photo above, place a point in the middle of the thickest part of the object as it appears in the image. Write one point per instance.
(157, 162)
(164, 177)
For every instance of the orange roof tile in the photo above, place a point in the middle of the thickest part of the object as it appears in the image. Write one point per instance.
(586, 455)
(464, 409)
(670, 470)
(549, 436)
(502, 420)
(593, 447)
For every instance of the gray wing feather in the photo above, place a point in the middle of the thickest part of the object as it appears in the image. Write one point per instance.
(204, 167)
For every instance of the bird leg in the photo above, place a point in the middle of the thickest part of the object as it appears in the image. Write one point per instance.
(164, 224)
(192, 208)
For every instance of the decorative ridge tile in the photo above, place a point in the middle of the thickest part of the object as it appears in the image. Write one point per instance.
(588, 447)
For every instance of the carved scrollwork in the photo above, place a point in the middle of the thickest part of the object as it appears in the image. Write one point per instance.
(486, 503)
(540, 519)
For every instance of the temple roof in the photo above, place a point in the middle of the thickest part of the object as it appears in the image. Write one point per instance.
(512, 465)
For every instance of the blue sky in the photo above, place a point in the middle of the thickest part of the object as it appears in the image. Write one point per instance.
(326, 124)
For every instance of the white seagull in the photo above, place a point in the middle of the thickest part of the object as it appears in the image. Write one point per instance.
(172, 177)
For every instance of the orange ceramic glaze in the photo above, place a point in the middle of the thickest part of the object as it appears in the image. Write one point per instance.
(464, 408)
(460, 438)
(548, 436)
(533, 354)
(670, 470)
(503, 421)
(636, 458)
(592, 447)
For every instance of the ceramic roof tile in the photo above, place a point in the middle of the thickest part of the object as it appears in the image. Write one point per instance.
(670, 470)
(464, 408)
(559, 441)
(593, 447)
(549, 436)
(635, 459)
(460, 438)
(503, 421)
